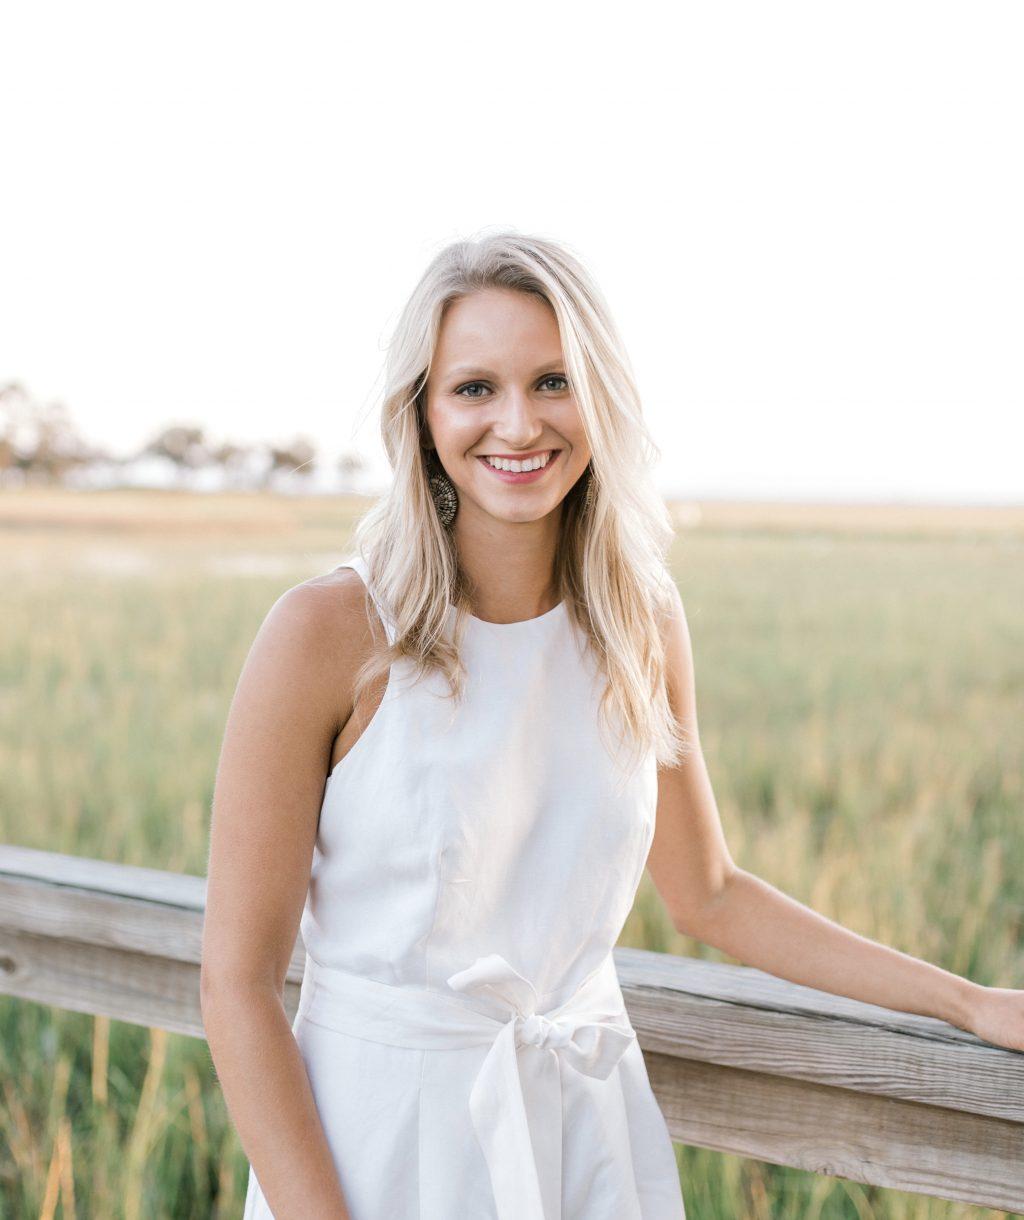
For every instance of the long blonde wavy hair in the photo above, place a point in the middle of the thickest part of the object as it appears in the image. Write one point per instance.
(611, 556)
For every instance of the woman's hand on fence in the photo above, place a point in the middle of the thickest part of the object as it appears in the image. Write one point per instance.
(997, 1015)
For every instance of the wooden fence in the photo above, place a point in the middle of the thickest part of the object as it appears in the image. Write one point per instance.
(741, 1061)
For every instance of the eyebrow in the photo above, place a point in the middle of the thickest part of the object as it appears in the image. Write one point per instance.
(472, 370)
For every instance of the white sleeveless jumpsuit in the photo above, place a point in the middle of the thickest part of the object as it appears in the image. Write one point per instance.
(460, 1017)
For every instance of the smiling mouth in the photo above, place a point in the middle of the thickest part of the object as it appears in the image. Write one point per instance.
(520, 476)
(519, 457)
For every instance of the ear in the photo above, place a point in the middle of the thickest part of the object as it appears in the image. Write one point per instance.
(426, 440)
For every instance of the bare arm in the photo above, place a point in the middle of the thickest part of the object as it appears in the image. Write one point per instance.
(710, 898)
(286, 712)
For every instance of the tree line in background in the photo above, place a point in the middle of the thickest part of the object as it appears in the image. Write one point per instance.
(41, 445)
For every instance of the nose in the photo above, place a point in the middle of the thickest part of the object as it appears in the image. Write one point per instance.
(517, 420)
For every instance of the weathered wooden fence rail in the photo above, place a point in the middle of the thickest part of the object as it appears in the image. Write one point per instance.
(741, 1062)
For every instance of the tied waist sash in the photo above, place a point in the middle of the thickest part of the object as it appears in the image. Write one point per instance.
(516, 1099)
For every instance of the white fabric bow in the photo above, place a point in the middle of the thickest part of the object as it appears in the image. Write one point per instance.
(516, 1101)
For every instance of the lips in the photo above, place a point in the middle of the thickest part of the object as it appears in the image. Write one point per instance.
(521, 476)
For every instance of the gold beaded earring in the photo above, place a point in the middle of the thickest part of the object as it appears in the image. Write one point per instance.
(588, 497)
(443, 493)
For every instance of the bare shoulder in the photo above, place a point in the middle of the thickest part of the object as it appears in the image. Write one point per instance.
(319, 605)
(294, 692)
(679, 665)
(321, 624)
(672, 613)
(288, 705)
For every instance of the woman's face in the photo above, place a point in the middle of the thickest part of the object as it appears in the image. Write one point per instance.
(498, 388)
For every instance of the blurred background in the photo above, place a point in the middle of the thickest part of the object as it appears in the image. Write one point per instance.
(805, 219)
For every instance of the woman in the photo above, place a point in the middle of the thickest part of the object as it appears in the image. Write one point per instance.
(498, 690)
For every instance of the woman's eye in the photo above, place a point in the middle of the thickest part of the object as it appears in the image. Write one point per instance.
(472, 385)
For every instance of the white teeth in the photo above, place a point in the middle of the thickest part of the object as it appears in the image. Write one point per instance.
(517, 467)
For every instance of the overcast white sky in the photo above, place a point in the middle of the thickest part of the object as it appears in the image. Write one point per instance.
(806, 218)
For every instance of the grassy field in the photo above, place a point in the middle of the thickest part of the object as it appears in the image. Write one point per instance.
(860, 680)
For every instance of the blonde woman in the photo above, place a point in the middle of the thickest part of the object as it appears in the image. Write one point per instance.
(444, 764)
